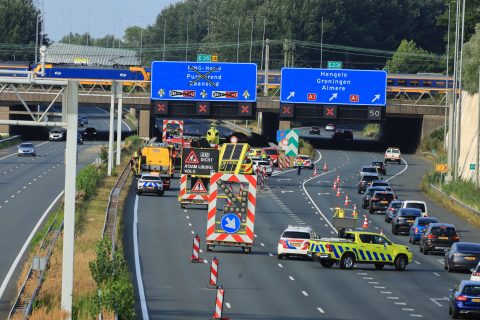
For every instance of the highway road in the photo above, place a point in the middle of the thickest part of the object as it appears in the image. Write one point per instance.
(158, 233)
(28, 186)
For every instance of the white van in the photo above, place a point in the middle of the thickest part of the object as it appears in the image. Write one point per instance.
(417, 205)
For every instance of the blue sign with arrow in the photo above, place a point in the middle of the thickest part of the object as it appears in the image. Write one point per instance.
(209, 81)
(281, 135)
(230, 223)
(328, 86)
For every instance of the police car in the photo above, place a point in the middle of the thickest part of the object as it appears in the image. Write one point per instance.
(150, 183)
(295, 241)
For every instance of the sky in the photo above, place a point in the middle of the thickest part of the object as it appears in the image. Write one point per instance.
(98, 17)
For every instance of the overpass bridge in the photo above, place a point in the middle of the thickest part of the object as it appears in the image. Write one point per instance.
(404, 105)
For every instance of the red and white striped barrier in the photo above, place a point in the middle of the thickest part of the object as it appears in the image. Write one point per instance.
(315, 173)
(165, 126)
(347, 201)
(196, 249)
(214, 272)
(325, 167)
(217, 314)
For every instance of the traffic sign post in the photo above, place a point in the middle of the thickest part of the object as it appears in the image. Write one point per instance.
(340, 87)
(441, 167)
(334, 64)
(230, 223)
(198, 81)
(202, 57)
(281, 135)
(472, 166)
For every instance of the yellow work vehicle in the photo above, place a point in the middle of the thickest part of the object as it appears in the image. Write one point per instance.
(233, 159)
(360, 247)
(156, 159)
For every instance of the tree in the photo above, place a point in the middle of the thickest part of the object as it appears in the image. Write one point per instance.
(471, 61)
(408, 58)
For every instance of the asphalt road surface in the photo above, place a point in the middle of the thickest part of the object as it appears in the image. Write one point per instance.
(258, 285)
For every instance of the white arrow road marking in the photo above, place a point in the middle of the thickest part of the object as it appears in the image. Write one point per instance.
(435, 300)
(335, 95)
(230, 223)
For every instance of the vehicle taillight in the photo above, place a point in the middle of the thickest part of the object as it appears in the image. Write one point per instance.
(329, 248)
(461, 298)
(416, 230)
(431, 236)
(476, 274)
(456, 238)
(374, 199)
(391, 209)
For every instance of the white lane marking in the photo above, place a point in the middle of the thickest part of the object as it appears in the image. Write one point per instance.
(407, 309)
(320, 310)
(126, 125)
(188, 217)
(270, 254)
(25, 246)
(404, 169)
(291, 278)
(255, 235)
(416, 315)
(228, 305)
(279, 265)
(201, 251)
(184, 210)
(441, 261)
(6, 201)
(362, 273)
(189, 224)
(436, 274)
(367, 278)
(386, 292)
(373, 282)
(393, 298)
(138, 271)
(305, 293)
(262, 244)
(417, 262)
(379, 287)
(435, 300)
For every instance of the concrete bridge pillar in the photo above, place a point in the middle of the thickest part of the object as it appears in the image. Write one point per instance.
(4, 115)
(144, 124)
(133, 112)
(284, 125)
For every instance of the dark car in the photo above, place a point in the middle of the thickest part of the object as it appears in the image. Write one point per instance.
(404, 220)
(392, 210)
(380, 201)
(79, 138)
(462, 256)
(465, 299)
(380, 167)
(347, 135)
(314, 130)
(90, 133)
(438, 237)
(365, 181)
(338, 136)
(417, 228)
(368, 194)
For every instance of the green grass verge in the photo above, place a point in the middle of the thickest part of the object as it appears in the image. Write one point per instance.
(371, 130)
(10, 143)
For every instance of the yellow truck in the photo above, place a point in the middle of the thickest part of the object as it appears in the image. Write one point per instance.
(360, 247)
(157, 159)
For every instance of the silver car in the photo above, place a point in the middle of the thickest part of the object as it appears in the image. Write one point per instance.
(26, 149)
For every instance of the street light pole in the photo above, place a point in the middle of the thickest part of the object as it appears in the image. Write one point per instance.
(321, 46)
(164, 27)
(238, 38)
(478, 135)
(446, 83)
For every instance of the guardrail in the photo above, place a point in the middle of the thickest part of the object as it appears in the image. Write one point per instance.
(454, 200)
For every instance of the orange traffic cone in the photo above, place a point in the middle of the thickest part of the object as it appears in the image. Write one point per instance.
(347, 201)
(315, 173)
(354, 211)
(334, 185)
(338, 179)
(325, 167)
(338, 192)
(381, 232)
(365, 223)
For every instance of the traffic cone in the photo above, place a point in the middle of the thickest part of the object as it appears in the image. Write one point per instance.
(347, 202)
(334, 185)
(325, 167)
(315, 173)
(338, 192)
(354, 211)
(338, 179)
(365, 222)
(381, 232)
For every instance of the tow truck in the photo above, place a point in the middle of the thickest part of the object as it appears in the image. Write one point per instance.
(157, 159)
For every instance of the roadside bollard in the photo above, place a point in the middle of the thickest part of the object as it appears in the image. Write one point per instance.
(196, 248)
(214, 273)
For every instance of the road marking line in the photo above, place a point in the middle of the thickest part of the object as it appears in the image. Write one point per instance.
(320, 310)
(393, 298)
(362, 273)
(379, 287)
(373, 282)
(406, 167)
(270, 254)
(441, 261)
(386, 292)
(305, 293)
(255, 235)
(187, 217)
(436, 274)
(189, 224)
(138, 271)
(228, 305)
(332, 232)
(192, 232)
(279, 265)
(18, 191)
(13, 196)
(201, 251)
(6, 201)
(417, 262)
(184, 210)
(291, 278)
(262, 244)
(408, 309)
(367, 278)
(416, 315)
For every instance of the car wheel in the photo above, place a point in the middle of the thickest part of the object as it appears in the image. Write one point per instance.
(445, 267)
(455, 313)
(394, 230)
(425, 251)
(421, 247)
(409, 239)
(347, 261)
(139, 193)
(327, 263)
(450, 268)
(400, 262)
(449, 309)
(379, 266)
(160, 194)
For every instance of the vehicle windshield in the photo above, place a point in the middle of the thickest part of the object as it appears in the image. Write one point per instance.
(410, 213)
(151, 178)
(415, 205)
(443, 231)
(271, 152)
(304, 157)
(296, 235)
(426, 222)
(26, 145)
(369, 178)
(369, 169)
(396, 205)
(472, 290)
(468, 247)
(384, 196)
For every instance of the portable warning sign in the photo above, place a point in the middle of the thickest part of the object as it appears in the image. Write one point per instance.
(199, 161)
(168, 129)
(232, 156)
(193, 190)
(231, 210)
(199, 187)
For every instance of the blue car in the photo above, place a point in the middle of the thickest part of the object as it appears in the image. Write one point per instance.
(465, 299)
(417, 228)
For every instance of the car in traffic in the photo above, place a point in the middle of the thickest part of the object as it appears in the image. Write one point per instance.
(347, 135)
(314, 130)
(295, 241)
(465, 299)
(368, 169)
(82, 121)
(404, 220)
(475, 276)
(150, 183)
(26, 149)
(380, 183)
(56, 135)
(337, 136)
(379, 201)
(368, 194)
(393, 154)
(462, 256)
(330, 127)
(263, 166)
(417, 228)
(90, 133)
(380, 167)
(438, 237)
(272, 153)
(365, 181)
(79, 138)
(422, 205)
(392, 210)
(304, 161)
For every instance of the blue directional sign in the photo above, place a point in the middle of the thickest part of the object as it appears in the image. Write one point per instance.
(328, 86)
(198, 81)
(230, 223)
(281, 135)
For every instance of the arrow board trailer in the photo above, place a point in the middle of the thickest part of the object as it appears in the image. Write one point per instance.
(231, 211)
(210, 81)
(339, 87)
(193, 190)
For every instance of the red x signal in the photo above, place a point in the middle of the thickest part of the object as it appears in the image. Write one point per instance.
(245, 109)
(202, 108)
(330, 112)
(160, 107)
(286, 110)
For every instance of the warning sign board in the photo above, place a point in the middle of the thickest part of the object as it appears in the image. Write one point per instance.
(199, 161)
(199, 187)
